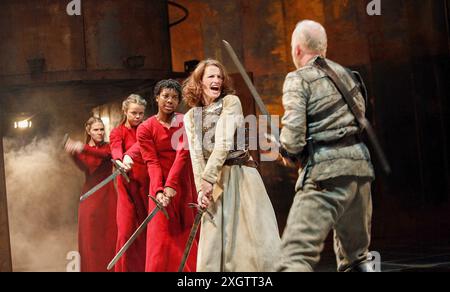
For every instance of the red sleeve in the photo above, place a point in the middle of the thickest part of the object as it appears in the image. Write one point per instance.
(181, 158)
(80, 162)
(150, 157)
(116, 142)
(134, 152)
(102, 152)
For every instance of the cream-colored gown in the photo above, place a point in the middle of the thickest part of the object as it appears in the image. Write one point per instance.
(244, 235)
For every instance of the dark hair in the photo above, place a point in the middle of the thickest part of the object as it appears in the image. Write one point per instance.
(168, 84)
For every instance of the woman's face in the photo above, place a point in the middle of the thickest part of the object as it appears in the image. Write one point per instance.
(212, 82)
(135, 114)
(97, 132)
(168, 100)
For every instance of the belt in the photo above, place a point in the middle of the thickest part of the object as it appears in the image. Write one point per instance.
(343, 142)
(243, 160)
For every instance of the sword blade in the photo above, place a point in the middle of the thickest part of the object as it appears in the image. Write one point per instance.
(190, 241)
(133, 237)
(247, 80)
(99, 186)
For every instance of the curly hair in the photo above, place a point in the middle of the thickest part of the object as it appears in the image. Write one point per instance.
(167, 84)
(193, 89)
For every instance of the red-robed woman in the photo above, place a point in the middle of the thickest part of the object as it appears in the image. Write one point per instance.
(161, 141)
(132, 203)
(97, 229)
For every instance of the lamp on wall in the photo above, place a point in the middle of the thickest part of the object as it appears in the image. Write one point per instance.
(24, 124)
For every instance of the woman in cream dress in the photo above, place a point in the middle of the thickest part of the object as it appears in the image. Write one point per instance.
(243, 237)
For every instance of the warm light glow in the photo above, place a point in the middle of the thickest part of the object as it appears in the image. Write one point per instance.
(105, 121)
(25, 124)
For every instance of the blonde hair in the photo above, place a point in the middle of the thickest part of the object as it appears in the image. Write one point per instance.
(193, 89)
(133, 98)
(88, 125)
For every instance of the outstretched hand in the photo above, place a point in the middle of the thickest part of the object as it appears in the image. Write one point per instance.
(73, 147)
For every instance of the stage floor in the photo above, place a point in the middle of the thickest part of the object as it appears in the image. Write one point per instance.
(401, 257)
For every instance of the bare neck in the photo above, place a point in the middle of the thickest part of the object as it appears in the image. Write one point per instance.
(306, 58)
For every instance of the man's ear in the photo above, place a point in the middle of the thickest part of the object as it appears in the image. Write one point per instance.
(297, 51)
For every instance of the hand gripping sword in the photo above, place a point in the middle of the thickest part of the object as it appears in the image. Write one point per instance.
(193, 232)
(138, 231)
(118, 171)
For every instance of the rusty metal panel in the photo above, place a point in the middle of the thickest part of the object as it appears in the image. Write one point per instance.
(118, 29)
(106, 34)
(39, 29)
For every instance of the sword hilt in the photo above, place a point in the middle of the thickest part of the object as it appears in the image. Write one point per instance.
(201, 210)
(160, 207)
(122, 172)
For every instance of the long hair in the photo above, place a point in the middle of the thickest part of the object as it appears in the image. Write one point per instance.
(88, 125)
(133, 98)
(193, 89)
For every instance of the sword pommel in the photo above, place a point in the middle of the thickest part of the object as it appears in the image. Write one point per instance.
(160, 207)
(122, 172)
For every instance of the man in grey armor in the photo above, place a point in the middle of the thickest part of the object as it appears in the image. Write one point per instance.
(333, 191)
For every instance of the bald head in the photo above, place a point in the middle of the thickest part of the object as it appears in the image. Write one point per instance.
(311, 38)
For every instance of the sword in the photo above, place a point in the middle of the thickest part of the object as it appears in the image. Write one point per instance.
(193, 232)
(259, 102)
(247, 80)
(138, 231)
(119, 171)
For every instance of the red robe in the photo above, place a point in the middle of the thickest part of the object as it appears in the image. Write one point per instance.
(97, 229)
(132, 202)
(166, 239)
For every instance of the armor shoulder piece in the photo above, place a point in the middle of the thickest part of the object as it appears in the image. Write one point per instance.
(310, 74)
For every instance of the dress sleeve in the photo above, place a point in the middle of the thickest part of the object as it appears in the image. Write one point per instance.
(150, 156)
(230, 119)
(195, 146)
(80, 162)
(116, 142)
(103, 152)
(181, 159)
(134, 152)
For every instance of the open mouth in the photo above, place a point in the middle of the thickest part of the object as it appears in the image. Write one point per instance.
(215, 89)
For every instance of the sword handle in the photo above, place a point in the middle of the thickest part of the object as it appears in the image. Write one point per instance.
(160, 207)
(122, 172)
(201, 210)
